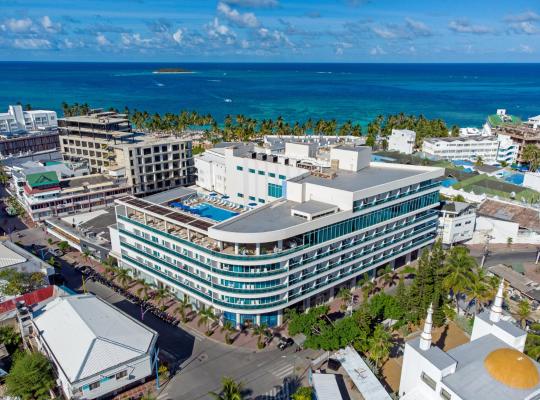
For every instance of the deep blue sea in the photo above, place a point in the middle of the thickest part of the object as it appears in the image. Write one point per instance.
(462, 94)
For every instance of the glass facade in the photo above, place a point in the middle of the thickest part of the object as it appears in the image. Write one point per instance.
(275, 190)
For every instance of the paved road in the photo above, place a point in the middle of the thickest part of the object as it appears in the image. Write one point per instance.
(201, 361)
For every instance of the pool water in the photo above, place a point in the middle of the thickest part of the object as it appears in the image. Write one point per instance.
(449, 182)
(210, 211)
(516, 179)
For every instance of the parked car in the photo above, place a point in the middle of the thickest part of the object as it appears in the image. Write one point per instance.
(55, 252)
(284, 343)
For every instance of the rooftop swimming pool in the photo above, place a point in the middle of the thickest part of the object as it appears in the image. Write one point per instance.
(207, 210)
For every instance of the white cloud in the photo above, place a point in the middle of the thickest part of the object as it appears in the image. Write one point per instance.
(102, 40)
(273, 38)
(245, 44)
(462, 26)
(524, 27)
(248, 20)
(523, 48)
(377, 51)
(50, 26)
(384, 33)
(418, 27)
(17, 25)
(216, 30)
(527, 16)
(178, 36)
(31, 44)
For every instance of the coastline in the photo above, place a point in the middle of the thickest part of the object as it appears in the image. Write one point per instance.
(172, 72)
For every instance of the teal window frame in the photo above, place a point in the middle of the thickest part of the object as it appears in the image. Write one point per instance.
(282, 177)
(275, 191)
(251, 171)
(261, 173)
(252, 198)
(240, 195)
(239, 168)
(271, 175)
(262, 201)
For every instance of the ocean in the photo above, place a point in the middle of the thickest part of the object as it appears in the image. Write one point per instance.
(462, 94)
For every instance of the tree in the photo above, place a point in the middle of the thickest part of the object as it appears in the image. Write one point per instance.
(207, 317)
(63, 246)
(228, 328)
(379, 345)
(50, 241)
(303, 393)
(161, 295)
(14, 283)
(531, 155)
(509, 241)
(123, 276)
(230, 390)
(260, 331)
(181, 309)
(523, 311)
(479, 161)
(111, 271)
(10, 337)
(459, 266)
(30, 377)
(345, 295)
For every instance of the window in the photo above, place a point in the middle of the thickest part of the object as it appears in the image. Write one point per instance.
(275, 190)
(261, 172)
(251, 171)
(271, 175)
(445, 395)
(282, 177)
(252, 198)
(240, 195)
(261, 201)
(93, 386)
(428, 381)
(121, 374)
(239, 168)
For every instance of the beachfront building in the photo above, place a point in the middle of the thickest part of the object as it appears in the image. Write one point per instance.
(402, 140)
(498, 120)
(533, 122)
(149, 162)
(44, 195)
(491, 365)
(99, 350)
(327, 227)
(18, 121)
(463, 148)
(456, 222)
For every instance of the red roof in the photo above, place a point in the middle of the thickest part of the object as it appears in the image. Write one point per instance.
(29, 190)
(35, 297)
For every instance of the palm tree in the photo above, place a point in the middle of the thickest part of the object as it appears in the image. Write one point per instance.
(459, 266)
(63, 246)
(228, 328)
(111, 271)
(123, 277)
(260, 331)
(524, 310)
(230, 390)
(182, 307)
(161, 295)
(482, 288)
(345, 295)
(207, 316)
(148, 396)
(531, 154)
(143, 290)
(86, 255)
(367, 289)
(379, 345)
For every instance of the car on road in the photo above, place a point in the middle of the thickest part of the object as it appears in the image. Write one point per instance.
(284, 343)
(55, 252)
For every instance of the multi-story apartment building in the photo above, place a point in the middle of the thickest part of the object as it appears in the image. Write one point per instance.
(324, 229)
(402, 140)
(29, 143)
(521, 135)
(150, 163)
(463, 148)
(18, 121)
(456, 222)
(44, 195)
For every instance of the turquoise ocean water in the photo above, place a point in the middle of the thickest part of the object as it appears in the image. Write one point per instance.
(460, 94)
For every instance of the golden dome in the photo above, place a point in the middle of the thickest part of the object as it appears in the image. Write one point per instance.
(512, 368)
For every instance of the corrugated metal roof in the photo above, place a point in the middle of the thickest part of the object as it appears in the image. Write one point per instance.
(87, 335)
(42, 179)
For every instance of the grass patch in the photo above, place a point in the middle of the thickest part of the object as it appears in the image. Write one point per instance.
(492, 186)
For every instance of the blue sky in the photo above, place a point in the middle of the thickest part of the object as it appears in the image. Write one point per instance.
(271, 30)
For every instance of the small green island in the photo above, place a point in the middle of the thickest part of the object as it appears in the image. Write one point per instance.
(172, 71)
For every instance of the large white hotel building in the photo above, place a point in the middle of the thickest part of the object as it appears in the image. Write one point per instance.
(278, 230)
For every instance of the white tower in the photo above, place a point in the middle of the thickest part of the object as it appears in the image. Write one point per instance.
(425, 338)
(496, 308)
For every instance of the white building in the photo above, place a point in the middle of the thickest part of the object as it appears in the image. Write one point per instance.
(532, 180)
(491, 366)
(463, 148)
(466, 132)
(456, 222)
(96, 349)
(319, 229)
(533, 122)
(402, 140)
(498, 221)
(491, 149)
(17, 121)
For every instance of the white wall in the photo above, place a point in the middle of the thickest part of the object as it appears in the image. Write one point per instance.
(500, 231)
(402, 140)
(532, 180)
(460, 228)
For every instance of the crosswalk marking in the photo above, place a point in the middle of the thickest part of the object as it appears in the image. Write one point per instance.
(283, 370)
(278, 393)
